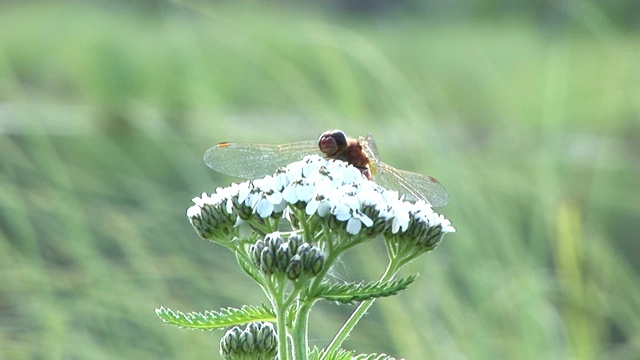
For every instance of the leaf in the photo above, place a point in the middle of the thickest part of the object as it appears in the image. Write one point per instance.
(338, 354)
(212, 320)
(373, 357)
(354, 292)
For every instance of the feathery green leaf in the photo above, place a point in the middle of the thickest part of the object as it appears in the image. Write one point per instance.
(212, 320)
(339, 354)
(352, 292)
(373, 357)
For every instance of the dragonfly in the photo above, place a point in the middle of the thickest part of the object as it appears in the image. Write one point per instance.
(252, 161)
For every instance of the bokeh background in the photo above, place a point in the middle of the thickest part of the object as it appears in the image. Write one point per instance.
(527, 111)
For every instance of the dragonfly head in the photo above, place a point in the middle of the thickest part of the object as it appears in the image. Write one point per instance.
(332, 142)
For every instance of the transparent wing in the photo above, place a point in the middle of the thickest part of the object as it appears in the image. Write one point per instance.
(413, 185)
(370, 148)
(251, 161)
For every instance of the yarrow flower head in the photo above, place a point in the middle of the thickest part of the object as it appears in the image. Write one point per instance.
(329, 192)
(289, 228)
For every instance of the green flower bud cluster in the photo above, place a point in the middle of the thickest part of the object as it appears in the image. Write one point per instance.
(257, 342)
(292, 257)
(210, 218)
(424, 230)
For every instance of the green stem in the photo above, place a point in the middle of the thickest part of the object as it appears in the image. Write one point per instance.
(275, 294)
(301, 323)
(281, 325)
(301, 331)
(357, 314)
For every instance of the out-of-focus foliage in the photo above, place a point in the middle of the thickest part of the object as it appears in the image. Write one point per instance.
(527, 112)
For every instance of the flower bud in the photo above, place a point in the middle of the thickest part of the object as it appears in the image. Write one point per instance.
(432, 238)
(273, 241)
(246, 343)
(315, 264)
(294, 268)
(257, 341)
(283, 256)
(241, 209)
(230, 342)
(312, 259)
(295, 240)
(255, 251)
(267, 261)
(379, 225)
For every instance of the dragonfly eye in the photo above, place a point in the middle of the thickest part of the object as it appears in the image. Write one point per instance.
(340, 137)
(332, 142)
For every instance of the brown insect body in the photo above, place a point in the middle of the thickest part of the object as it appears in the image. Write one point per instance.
(356, 157)
(335, 145)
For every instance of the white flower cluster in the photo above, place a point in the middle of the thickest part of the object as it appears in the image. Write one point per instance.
(332, 190)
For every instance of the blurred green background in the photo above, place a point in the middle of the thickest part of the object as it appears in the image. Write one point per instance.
(527, 112)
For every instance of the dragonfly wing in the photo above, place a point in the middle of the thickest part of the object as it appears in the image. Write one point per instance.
(370, 148)
(413, 185)
(251, 161)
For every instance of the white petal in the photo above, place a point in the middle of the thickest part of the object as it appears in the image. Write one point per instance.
(275, 198)
(403, 220)
(265, 183)
(311, 207)
(264, 208)
(352, 202)
(308, 169)
(304, 192)
(280, 179)
(390, 196)
(354, 226)
(294, 171)
(252, 199)
(194, 211)
(341, 212)
(289, 194)
(324, 208)
(277, 208)
(395, 226)
(229, 206)
(244, 228)
(364, 219)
